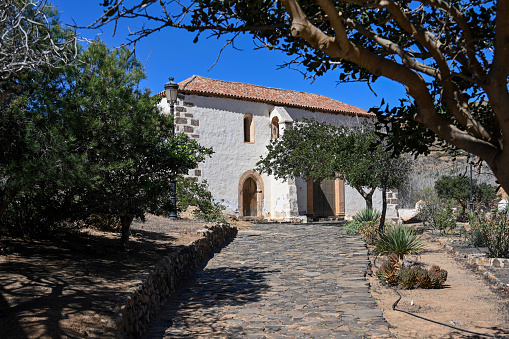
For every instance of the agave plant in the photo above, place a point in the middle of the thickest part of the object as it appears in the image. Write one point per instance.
(400, 240)
(367, 214)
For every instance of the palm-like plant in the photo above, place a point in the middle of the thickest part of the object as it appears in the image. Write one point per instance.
(367, 214)
(400, 240)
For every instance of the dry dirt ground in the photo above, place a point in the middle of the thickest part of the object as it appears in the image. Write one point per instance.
(468, 301)
(71, 287)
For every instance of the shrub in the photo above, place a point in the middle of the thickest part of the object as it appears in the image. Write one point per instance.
(438, 276)
(369, 231)
(475, 237)
(424, 278)
(192, 193)
(435, 212)
(486, 197)
(400, 240)
(456, 187)
(38, 214)
(445, 218)
(435, 277)
(387, 273)
(367, 214)
(352, 227)
(495, 232)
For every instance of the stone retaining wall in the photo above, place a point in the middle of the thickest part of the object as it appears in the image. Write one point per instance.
(479, 259)
(481, 262)
(164, 277)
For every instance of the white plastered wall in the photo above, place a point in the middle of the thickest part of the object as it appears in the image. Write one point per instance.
(221, 127)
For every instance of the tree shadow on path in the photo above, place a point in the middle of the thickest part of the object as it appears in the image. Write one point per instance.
(195, 308)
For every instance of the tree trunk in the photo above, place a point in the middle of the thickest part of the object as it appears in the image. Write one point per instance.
(368, 197)
(384, 210)
(500, 167)
(125, 227)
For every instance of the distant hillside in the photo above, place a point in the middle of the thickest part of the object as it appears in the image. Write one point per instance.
(428, 169)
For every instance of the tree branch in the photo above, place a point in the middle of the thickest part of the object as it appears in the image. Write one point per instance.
(28, 40)
(477, 69)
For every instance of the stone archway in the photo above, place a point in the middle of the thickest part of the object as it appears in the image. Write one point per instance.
(251, 194)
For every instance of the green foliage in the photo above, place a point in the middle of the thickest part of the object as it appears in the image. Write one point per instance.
(129, 151)
(352, 227)
(192, 193)
(367, 214)
(434, 278)
(485, 197)
(37, 214)
(454, 187)
(85, 140)
(319, 150)
(458, 188)
(445, 218)
(439, 276)
(364, 223)
(435, 212)
(476, 237)
(33, 39)
(408, 278)
(400, 240)
(495, 232)
(450, 86)
(387, 273)
(36, 160)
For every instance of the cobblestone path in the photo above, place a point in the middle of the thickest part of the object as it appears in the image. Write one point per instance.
(278, 281)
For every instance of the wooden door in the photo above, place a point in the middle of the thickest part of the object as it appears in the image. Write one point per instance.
(250, 198)
(324, 202)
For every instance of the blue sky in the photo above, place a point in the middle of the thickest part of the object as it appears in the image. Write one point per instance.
(171, 52)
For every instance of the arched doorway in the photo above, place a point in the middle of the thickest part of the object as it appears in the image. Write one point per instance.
(251, 194)
(250, 203)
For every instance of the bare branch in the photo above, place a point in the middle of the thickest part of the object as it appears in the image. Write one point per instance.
(28, 40)
(229, 42)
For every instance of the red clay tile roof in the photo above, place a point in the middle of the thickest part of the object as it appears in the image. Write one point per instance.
(281, 97)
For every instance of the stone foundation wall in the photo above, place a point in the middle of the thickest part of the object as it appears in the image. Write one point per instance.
(164, 277)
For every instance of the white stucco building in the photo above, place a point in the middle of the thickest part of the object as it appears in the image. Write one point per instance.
(238, 120)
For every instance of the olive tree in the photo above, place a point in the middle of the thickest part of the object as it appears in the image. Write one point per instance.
(316, 150)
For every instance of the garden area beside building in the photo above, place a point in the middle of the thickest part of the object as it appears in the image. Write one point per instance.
(446, 268)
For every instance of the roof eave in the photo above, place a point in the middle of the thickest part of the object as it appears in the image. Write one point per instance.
(274, 102)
